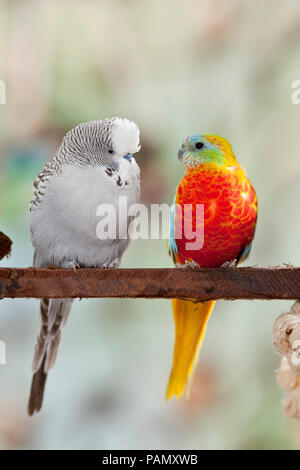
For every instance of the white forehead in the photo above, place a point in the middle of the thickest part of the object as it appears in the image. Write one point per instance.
(125, 136)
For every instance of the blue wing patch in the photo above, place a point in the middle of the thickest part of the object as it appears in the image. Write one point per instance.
(244, 253)
(172, 246)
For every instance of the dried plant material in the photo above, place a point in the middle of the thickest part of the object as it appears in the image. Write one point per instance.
(286, 339)
(295, 308)
(292, 404)
(294, 358)
(286, 377)
(286, 329)
(5, 245)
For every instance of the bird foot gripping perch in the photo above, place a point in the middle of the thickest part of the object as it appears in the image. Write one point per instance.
(286, 339)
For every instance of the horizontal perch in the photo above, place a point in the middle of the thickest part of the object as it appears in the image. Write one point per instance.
(200, 284)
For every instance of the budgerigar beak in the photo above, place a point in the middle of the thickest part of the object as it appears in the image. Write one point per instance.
(181, 152)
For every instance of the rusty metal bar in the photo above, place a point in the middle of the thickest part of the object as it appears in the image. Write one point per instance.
(200, 284)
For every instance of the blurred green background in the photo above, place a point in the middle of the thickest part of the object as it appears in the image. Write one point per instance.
(175, 68)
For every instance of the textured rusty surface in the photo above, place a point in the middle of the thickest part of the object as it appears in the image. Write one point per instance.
(202, 284)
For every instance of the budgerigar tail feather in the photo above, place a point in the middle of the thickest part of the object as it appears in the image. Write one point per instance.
(53, 313)
(37, 390)
(190, 323)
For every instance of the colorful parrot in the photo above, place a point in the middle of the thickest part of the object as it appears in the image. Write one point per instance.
(215, 182)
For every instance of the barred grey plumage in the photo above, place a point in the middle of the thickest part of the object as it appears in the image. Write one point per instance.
(88, 169)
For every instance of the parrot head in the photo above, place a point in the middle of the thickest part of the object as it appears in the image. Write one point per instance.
(102, 142)
(199, 149)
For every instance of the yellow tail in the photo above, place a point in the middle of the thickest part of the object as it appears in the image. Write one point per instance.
(190, 324)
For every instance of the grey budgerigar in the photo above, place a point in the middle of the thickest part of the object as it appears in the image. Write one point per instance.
(94, 165)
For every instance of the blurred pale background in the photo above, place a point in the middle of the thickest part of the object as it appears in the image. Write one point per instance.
(175, 68)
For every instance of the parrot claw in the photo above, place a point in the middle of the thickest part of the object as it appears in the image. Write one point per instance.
(191, 265)
(73, 265)
(114, 264)
(188, 265)
(229, 264)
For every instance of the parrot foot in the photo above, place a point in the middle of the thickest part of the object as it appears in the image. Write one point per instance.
(229, 264)
(188, 265)
(72, 265)
(114, 264)
(191, 265)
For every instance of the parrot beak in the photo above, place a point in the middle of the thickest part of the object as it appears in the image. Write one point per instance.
(181, 153)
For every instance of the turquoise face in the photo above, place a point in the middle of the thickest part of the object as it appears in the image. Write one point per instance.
(196, 150)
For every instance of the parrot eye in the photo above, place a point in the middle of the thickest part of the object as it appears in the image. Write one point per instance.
(199, 145)
(110, 151)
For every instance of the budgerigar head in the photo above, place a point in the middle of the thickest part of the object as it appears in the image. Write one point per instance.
(199, 149)
(102, 142)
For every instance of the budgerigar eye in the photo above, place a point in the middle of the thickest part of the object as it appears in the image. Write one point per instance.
(199, 145)
(110, 151)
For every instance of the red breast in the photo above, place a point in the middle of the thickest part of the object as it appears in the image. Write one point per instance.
(227, 220)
